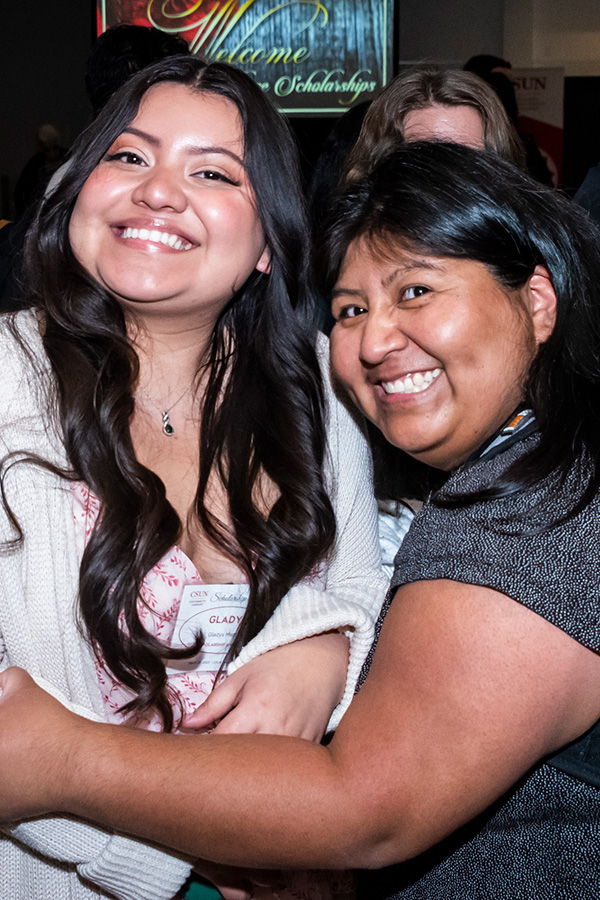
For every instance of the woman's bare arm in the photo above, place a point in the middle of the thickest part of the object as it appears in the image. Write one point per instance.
(468, 690)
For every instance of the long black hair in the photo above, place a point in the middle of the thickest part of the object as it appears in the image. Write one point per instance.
(452, 201)
(262, 414)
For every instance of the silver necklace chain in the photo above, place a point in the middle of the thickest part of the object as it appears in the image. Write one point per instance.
(167, 428)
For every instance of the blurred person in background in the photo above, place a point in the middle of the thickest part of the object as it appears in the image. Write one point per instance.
(496, 72)
(427, 102)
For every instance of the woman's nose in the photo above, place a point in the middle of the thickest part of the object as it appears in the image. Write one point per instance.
(161, 189)
(382, 334)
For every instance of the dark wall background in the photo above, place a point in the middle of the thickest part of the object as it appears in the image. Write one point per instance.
(582, 129)
(43, 52)
(44, 47)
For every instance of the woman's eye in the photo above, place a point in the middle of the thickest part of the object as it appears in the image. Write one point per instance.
(214, 175)
(411, 293)
(350, 312)
(126, 156)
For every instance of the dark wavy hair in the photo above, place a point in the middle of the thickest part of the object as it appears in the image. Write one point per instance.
(453, 201)
(263, 411)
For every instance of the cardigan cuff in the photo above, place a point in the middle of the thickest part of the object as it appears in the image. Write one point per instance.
(134, 871)
(309, 612)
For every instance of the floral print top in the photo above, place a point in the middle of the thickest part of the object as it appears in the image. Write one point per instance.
(158, 607)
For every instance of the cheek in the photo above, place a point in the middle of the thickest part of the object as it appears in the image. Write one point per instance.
(470, 340)
(235, 224)
(515, 340)
(249, 232)
(98, 199)
(77, 238)
(83, 236)
(335, 352)
(220, 211)
(344, 358)
(91, 215)
(85, 214)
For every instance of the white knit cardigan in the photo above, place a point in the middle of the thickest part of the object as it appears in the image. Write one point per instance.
(62, 858)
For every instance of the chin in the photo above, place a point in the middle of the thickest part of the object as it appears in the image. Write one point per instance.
(425, 454)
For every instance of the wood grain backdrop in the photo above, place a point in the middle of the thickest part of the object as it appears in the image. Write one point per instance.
(310, 56)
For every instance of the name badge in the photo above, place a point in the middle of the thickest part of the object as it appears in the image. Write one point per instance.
(214, 609)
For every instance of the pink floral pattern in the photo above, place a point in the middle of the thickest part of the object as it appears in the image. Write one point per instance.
(158, 606)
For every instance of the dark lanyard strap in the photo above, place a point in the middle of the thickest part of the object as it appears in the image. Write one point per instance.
(519, 425)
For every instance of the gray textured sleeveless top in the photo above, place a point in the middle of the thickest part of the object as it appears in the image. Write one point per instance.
(541, 841)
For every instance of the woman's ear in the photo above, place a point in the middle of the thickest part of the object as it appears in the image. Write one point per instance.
(264, 263)
(542, 304)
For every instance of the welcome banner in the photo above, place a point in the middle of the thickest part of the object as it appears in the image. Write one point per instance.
(310, 56)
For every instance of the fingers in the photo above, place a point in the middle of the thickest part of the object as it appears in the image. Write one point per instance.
(230, 881)
(235, 893)
(12, 679)
(240, 722)
(255, 712)
(220, 702)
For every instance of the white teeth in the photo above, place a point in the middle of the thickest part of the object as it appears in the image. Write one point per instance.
(411, 384)
(157, 237)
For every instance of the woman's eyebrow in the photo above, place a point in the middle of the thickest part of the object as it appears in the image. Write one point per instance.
(142, 134)
(198, 150)
(193, 151)
(413, 265)
(351, 292)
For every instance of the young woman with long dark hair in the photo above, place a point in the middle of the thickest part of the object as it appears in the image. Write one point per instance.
(467, 328)
(166, 426)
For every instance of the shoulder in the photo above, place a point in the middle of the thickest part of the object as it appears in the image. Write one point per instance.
(24, 362)
(20, 346)
(513, 545)
(27, 386)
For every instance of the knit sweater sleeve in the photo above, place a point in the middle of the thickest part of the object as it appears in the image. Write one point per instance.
(123, 867)
(126, 869)
(38, 631)
(355, 582)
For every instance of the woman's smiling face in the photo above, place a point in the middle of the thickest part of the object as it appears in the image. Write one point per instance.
(432, 350)
(167, 222)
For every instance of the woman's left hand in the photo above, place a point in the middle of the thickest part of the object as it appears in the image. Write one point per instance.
(291, 690)
(34, 746)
